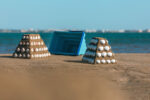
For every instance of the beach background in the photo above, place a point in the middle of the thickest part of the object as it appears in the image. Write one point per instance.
(68, 78)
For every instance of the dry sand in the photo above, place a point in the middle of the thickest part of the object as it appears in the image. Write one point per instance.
(67, 78)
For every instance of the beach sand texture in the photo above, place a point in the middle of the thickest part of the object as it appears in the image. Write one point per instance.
(67, 78)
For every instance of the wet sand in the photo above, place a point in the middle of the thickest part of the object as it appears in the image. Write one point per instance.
(67, 78)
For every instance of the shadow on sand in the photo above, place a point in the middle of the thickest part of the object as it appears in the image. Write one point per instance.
(6, 57)
(74, 61)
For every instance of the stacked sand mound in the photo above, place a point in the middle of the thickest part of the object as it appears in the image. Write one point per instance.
(31, 46)
(99, 52)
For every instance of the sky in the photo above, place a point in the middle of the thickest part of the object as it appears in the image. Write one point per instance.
(75, 14)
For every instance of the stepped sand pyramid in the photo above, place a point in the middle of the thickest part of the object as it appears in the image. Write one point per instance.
(31, 46)
(99, 52)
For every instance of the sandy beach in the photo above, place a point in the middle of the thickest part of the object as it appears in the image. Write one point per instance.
(67, 78)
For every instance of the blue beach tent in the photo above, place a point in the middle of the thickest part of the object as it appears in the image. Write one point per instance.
(68, 43)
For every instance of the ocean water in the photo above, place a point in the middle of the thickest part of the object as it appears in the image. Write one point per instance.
(120, 42)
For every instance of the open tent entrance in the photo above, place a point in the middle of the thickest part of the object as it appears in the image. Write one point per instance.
(68, 43)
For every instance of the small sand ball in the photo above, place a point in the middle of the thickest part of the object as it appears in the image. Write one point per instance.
(102, 41)
(23, 50)
(24, 55)
(49, 54)
(28, 55)
(98, 61)
(24, 37)
(39, 43)
(36, 49)
(103, 61)
(18, 49)
(42, 43)
(107, 48)
(92, 47)
(32, 50)
(113, 61)
(31, 43)
(20, 55)
(94, 41)
(99, 54)
(45, 48)
(38, 37)
(20, 43)
(108, 61)
(40, 49)
(37, 55)
(32, 56)
(27, 37)
(43, 55)
(104, 54)
(27, 50)
(15, 55)
(34, 43)
(109, 54)
(24, 43)
(27, 43)
(33, 38)
(100, 48)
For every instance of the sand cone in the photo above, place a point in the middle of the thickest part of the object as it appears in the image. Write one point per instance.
(31, 46)
(99, 52)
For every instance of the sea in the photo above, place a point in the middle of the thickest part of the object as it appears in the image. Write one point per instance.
(120, 42)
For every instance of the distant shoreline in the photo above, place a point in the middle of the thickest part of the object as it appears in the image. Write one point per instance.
(68, 30)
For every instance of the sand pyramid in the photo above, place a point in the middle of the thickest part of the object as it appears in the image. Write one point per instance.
(31, 46)
(99, 52)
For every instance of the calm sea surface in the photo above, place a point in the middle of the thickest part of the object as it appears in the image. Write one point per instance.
(120, 42)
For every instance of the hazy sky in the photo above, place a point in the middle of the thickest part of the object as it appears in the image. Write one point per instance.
(75, 14)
